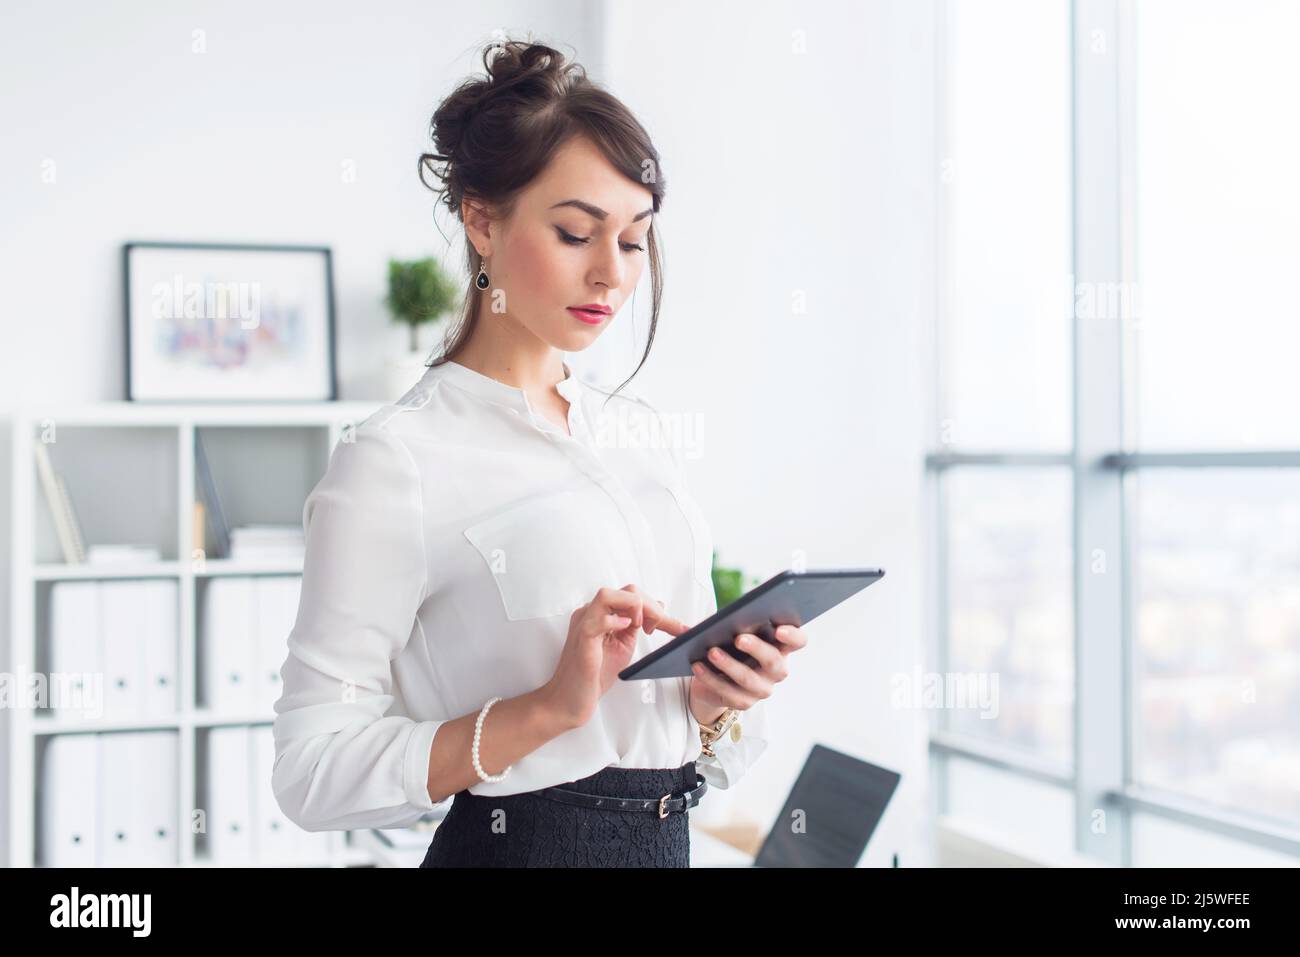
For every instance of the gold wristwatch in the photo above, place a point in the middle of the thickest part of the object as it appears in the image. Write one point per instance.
(712, 732)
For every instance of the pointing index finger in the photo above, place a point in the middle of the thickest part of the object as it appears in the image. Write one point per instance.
(661, 620)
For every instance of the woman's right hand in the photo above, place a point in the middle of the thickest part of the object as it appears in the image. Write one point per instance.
(601, 641)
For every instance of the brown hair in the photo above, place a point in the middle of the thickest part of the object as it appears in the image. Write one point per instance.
(494, 134)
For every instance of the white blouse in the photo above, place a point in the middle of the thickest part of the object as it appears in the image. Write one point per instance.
(453, 534)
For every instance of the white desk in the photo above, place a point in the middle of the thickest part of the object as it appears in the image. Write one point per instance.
(708, 851)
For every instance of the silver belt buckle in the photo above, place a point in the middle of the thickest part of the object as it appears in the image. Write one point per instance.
(663, 811)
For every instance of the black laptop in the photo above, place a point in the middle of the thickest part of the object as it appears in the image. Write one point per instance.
(829, 815)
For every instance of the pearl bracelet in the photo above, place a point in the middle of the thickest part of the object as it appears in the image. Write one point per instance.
(478, 732)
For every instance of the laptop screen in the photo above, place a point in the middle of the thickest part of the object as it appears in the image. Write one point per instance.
(830, 814)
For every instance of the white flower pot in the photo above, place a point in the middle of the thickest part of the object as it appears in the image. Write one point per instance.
(403, 369)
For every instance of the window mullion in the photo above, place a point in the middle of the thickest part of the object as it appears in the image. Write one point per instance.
(1100, 741)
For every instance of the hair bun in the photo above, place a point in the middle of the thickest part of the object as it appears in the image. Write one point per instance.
(524, 69)
(508, 60)
(515, 71)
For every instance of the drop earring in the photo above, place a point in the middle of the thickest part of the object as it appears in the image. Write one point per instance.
(482, 280)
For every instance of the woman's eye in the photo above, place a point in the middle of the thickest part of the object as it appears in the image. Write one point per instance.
(583, 240)
(572, 240)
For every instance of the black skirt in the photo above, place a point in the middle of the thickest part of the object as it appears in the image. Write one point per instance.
(527, 830)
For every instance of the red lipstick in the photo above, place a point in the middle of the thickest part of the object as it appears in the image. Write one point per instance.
(592, 313)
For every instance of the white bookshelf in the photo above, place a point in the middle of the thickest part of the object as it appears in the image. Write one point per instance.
(141, 459)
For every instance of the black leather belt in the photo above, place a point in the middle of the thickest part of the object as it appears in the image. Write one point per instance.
(663, 806)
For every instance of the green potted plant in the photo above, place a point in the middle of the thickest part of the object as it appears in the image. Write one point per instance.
(420, 293)
(729, 583)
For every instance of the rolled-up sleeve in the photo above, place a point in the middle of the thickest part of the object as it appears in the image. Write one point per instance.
(733, 758)
(342, 760)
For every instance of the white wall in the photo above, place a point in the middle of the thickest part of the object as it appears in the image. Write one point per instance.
(242, 143)
(807, 172)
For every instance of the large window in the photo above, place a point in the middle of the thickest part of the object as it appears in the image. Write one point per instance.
(1115, 462)
(1217, 217)
(1009, 606)
(1217, 237)
(1218, 625)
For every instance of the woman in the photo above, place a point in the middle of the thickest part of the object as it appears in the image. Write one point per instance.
(486, 553)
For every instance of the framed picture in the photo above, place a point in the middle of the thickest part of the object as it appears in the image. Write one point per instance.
(211, 322)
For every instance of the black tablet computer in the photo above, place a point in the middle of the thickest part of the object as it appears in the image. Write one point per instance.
(790, 598)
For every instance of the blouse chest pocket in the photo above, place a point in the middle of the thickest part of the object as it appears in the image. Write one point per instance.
(550, 554)
(701, 537)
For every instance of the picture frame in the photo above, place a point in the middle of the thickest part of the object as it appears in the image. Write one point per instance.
(228, 322)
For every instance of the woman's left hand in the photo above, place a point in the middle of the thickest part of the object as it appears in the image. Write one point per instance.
(740, 686)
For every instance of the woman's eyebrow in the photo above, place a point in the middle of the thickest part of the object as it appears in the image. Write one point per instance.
(596, 211)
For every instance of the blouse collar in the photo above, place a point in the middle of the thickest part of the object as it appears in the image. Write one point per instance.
(496, 391)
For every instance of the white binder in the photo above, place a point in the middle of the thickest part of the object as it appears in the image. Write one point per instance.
(230, 807)
(122, 625)
(154, 811)
(160, 646)
(68, 800)
(75, 649)
(230, 623)
(277, 611)
(125, 778)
